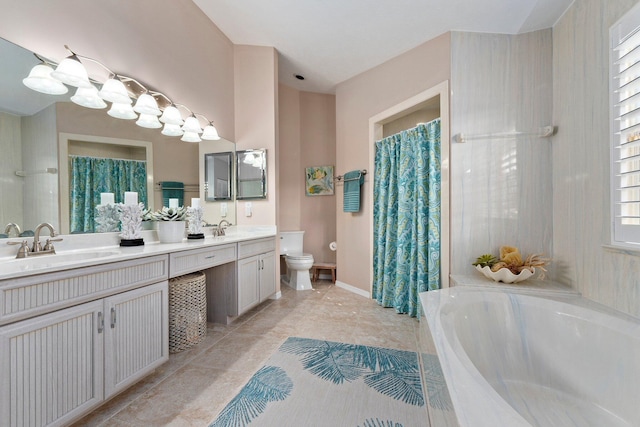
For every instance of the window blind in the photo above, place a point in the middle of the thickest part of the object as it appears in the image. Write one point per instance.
(625, 127)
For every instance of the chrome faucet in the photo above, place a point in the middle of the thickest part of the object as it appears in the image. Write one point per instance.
(219, 230)
(13, 225)
(36, 248)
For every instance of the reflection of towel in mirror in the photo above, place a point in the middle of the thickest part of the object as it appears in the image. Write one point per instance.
(172, 190)
(352, 182)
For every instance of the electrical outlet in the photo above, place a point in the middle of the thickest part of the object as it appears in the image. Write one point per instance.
(247, 209)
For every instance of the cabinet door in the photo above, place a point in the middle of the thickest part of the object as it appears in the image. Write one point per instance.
(248, 277)
(136, 335)
(51, 366)
(267, 275)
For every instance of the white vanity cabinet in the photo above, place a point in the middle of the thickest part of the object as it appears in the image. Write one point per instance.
(256, 273)
(57, 365)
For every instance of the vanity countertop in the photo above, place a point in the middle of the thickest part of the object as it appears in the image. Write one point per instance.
(87, 250)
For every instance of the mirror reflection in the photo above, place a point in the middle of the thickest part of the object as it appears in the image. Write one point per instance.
(217, 176)
(251, 179)
(35, 160)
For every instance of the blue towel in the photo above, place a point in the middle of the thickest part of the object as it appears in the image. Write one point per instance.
(172, 190)
(352, 182)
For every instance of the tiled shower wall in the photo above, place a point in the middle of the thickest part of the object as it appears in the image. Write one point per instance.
(501, 188)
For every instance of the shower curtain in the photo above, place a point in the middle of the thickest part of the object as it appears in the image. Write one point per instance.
(90, 176)
(407, 217)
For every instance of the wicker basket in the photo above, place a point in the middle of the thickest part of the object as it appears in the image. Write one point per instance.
(187, 311)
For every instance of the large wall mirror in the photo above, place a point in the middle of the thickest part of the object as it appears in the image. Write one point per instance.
(36, 128)
(251, 174)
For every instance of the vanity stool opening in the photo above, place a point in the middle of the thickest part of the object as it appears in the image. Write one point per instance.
(187, 311)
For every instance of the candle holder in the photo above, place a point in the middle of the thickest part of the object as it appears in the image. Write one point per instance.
(194, 217)
(107, 218)
(131, 220)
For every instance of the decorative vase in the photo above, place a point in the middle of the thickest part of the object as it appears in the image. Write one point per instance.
(171, 231)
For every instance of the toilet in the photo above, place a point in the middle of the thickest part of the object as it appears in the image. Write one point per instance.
(298, 263)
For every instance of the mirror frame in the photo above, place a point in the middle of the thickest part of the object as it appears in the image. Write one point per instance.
(212, 157)
(260, 194)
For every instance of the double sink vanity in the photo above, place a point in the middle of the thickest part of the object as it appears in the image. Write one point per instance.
(79, 326)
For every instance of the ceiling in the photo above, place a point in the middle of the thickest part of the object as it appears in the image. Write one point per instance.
(330, 41)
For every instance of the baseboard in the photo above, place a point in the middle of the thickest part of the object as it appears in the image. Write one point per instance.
(353, 289)
(277, 295)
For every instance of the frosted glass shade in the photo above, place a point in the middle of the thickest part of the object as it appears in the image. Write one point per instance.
(171, 115)
(113, 90)
(190, 137)
(122, 111)
(210, 133)
(40, 80)
(172, 130)
(148, 121)
(88, 97)
(147, 104)
(71, 71)
(191, 124)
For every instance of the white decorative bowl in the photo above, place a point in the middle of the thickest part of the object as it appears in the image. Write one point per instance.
(505, 275)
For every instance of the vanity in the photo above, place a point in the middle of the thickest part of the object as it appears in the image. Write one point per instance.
(80, 326)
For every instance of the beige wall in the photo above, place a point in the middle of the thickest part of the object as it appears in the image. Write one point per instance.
(256, 111)
(307, 138)
(357, 100)
(581, 194)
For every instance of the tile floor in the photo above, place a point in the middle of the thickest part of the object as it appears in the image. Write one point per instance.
(196, 384)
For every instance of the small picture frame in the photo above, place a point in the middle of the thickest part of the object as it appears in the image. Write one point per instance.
(319, 181)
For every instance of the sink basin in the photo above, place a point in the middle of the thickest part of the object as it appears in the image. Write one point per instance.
(36, 262)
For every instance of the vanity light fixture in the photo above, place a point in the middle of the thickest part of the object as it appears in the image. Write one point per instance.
(40, 80)
(71, 71)
(120, 91)
(88, 97)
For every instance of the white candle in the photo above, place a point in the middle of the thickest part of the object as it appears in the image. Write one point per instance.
(195, 202)
(130, 198)
(106, 199)
(173, 203)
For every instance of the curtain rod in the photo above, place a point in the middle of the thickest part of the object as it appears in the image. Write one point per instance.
(543, 132)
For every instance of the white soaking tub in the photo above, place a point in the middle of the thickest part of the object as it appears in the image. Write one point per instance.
(514, 360)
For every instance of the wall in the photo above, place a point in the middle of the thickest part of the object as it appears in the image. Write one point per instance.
(11, 185)
(581, 198)
(307, 138)
(358, 99)
(501, 189)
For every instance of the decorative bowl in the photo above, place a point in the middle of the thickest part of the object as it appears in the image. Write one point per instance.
(505, 275)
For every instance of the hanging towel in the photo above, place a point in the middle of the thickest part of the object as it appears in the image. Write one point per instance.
(172, 190)
(352, 182)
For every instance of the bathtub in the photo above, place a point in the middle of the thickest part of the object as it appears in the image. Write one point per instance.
(512, 359)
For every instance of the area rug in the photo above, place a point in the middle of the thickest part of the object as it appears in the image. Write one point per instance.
(310, 382)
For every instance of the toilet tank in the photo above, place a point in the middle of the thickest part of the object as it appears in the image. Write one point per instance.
(291, 242)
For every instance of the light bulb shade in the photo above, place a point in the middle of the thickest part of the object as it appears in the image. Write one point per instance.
(210, 133)
(40, 80)
(146, 104)
(171, 115)
(191, 124)
(190, 137)
(249, 158)
(71, 71)
(171, 130)
(148, 121)
(88, 97)
(113, 90)
(122, 111)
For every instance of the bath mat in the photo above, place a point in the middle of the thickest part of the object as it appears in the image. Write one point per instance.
(310, 382)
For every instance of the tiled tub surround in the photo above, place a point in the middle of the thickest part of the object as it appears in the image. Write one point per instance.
(520, 360)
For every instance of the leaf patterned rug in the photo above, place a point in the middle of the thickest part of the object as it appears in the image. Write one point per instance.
(310, 382)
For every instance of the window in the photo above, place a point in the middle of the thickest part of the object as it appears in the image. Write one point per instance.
(625, 129)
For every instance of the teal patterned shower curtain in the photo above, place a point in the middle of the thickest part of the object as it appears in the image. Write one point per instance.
(90, 176)
(407, 217)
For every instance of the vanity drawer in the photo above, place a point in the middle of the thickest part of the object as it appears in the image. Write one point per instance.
(255, 247)
(185, 262)
(27, 297)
